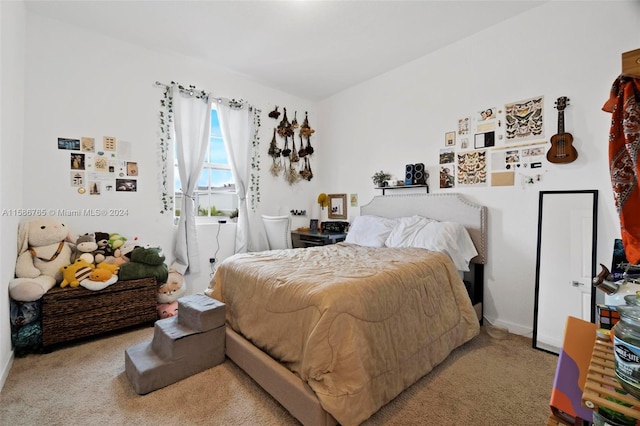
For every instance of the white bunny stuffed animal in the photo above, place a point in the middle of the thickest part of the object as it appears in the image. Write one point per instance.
(44, 246)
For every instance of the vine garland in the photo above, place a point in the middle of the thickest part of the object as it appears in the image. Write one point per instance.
(255, 162)
(166, 120)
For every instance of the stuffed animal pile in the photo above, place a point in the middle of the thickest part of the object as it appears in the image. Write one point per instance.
(49, 254)
(149, 262)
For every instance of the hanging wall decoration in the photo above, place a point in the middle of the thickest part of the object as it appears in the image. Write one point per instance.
(307, 131)
(472, 168)
(275, 153)
(447, 173)
(286, 159)
(524, 120)
(99, 167)
(275, 113)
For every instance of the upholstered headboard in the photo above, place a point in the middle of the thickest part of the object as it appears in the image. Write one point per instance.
(451, 207)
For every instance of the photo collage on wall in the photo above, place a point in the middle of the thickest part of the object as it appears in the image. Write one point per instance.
(493, 146)
(100, 167)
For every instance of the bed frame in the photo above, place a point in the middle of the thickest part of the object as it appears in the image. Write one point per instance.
(286, 387)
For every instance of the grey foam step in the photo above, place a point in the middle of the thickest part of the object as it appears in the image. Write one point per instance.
(201, 312)
(173, 340)
(147, 371)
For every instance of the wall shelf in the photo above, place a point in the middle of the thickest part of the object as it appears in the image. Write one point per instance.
(386, 188)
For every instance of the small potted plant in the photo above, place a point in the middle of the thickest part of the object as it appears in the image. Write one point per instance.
(380, 178)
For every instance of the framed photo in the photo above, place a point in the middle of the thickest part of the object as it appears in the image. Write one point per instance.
(126, 185)
(70, 144)
(337, 206)
(484, 140)
(77, 161)
(88, 144)
(450, 139)
(132, 168)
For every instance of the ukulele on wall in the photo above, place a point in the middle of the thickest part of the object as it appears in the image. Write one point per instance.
(561, 149)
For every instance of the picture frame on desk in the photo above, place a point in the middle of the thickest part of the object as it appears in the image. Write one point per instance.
(313, 225)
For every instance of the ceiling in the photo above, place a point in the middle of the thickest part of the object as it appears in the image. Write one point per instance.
(310, 49)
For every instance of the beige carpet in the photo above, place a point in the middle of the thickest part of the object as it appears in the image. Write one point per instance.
(485, 382)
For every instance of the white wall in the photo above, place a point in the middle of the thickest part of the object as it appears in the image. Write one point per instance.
(74, 83)
(558, 49)
(80, 83)
(12, 42)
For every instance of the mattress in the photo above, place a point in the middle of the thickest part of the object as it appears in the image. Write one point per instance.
(357, 324)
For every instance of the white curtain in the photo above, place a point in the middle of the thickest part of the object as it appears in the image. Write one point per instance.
(236, 124)
(192, 126)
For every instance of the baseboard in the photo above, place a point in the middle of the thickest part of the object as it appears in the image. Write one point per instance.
(512, 327)
(5, 370)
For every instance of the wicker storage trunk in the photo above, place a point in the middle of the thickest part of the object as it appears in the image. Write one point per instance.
(74, 313)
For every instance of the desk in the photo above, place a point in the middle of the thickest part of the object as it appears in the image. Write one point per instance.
(303, 239)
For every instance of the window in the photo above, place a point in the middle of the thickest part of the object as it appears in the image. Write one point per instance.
(215, 194)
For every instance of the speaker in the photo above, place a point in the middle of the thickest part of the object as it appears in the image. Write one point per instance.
(408, 174)
(419, 174)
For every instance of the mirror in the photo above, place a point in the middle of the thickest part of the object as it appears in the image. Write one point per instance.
(565, 265)
(337, 206)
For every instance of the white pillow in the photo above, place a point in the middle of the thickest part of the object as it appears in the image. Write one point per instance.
(449, 238)
(370, 231)
(406, 230)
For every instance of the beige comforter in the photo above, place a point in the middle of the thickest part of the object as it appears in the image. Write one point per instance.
(358, 324)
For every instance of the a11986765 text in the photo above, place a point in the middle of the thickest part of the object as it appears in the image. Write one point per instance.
(65, 212)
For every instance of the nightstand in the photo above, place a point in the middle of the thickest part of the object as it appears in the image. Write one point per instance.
(303, 239)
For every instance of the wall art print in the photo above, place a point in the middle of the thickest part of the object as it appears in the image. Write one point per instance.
(447, 176)
(450, 139)
(472, 168)
(463, 126)
(447, 155)
(524, 120)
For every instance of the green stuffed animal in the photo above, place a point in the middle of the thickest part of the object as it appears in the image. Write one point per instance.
(145, 262)
(116, 241)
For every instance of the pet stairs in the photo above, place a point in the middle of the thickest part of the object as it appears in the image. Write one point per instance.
(182, 346)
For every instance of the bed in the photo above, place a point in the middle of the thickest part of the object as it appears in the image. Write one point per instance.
(335, 332)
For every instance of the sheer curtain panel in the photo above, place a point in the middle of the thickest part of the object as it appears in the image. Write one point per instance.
(192, 127)
(236, 124)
